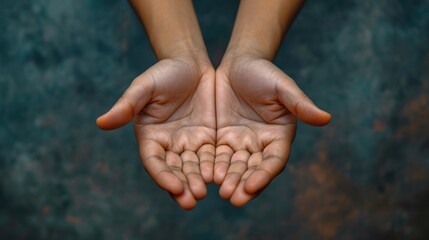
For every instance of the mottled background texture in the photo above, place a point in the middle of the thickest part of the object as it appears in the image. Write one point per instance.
(365, 176)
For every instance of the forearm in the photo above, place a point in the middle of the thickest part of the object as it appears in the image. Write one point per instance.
(260, 26)
(172, 28)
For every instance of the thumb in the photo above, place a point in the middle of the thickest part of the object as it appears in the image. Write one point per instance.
(130, 104)
(297, 102)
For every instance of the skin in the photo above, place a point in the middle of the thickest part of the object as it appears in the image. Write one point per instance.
(172, 103)
(257, 105)
(195, 125)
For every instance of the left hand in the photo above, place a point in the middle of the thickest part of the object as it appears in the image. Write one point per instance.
(256, 107)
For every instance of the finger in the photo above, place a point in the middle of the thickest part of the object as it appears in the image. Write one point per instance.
(295, 100)
(206, 156)
(254, 160)
(274, 159)
(186, 200)
(191, 169)
(235, 172)
(153, 159)
(175, 163)
(241, 197)
(223, 157)
(132, 102)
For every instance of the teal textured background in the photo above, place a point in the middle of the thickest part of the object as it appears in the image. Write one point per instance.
(365, 176)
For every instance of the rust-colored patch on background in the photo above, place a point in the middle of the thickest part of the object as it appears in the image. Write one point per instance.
(45, 210)
(73, 219)
(323, 199)
(379, 126)
(416, 113)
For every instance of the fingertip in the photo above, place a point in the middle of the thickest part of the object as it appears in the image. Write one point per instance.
(249, 188)
(101, 123)
(207, 177)
(220, 170)
(176, 188)
(257, 181)
(171, 183)
(240, 199)
(230, 185)
(185, 200)
(120, 115)
(200, 194)
(207, 160)
(98, 121)
(198, 189)
(238, 203)
(219, 176)
(189, 206)
(207, 172)
(322, 119)
(326, 118)
(314, 116)
(226, 191)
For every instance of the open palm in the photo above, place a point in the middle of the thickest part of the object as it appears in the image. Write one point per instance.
(172, 105)
(256, 107)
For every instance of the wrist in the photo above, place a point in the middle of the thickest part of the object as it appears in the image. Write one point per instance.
(234, 56)
(180, 47)
(260, 26)
(172, 28)
(249, 47)
(243, 49)
(235, 52)
(186, 49)
(197, 60)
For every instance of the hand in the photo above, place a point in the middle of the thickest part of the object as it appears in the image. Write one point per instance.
(173, 108)
(256, 107)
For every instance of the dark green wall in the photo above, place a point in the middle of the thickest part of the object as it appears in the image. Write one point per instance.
(365, 176)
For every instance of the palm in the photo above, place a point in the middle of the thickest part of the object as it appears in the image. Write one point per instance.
(175, 127)
(255, 128)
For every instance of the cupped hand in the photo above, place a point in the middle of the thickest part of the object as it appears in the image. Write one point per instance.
(173, 108)
(256, 109)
